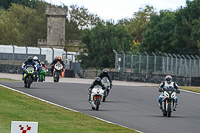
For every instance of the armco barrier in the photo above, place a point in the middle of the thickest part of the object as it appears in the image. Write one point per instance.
(154, 78)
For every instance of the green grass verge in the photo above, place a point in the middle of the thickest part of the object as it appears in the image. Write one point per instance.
(191, 88)
(15, 106)
(8, 79)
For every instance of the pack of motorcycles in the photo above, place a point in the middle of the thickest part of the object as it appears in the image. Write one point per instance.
(98, 94)
(39, 75)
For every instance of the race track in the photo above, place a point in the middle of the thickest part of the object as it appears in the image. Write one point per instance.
(131, 106)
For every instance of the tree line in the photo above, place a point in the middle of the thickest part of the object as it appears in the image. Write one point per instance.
(22, 22)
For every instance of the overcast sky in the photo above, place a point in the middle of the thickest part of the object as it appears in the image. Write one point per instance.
(118, 9)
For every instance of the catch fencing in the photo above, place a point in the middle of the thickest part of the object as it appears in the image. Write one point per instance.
(150, 63)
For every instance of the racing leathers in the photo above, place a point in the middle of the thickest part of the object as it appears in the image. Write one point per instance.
(54, 62)
(92, 86)
(171, 84)
(101, 75)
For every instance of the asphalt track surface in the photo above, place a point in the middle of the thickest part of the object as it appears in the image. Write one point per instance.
(131, 106)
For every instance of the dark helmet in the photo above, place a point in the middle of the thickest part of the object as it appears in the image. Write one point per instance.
(30, 59)
(168, 78)
(98, 80)
(105, 71)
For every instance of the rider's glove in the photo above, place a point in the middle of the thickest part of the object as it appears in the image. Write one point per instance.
(160, 89)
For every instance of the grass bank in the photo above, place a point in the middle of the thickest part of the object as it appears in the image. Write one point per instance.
(51, 119)
(7, 79)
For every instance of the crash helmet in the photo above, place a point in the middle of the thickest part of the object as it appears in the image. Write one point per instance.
(42, 62)
(30, 59)
(168, 78)
(105, 71)
(35, 58)
(59, 58)
(98, 80)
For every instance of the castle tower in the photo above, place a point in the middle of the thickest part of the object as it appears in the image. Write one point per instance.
(56, 16)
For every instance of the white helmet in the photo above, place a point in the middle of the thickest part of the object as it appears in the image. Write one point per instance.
(35, 58)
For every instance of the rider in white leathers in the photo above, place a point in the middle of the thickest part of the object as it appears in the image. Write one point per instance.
(167, 83)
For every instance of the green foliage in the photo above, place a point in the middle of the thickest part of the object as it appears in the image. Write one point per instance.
(5, 4)
(100, 42)
(79, 19)
(158, 33)
(174, 32)
(139, 21)
(21, 25)
(186, 34)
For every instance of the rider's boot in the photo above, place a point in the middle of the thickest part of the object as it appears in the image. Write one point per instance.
(89, 94)
(160, 105)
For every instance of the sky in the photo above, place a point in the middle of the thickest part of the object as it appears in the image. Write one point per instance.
(119, 9)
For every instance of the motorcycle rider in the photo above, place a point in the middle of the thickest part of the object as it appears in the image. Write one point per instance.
(58, 59)
(168, 83)
(97, 81)
(38, 66)
(43, 65)
(29, 61)
(106, 74)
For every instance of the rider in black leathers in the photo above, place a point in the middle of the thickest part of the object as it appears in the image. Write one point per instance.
(55, 60)
(97, 81)
(106, 74)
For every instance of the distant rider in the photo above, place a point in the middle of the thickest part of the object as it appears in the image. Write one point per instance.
(38, 66)
(58, 59)
(43, 65)
(97, 81)
(167, 83)
(29, 62)
(106, 74)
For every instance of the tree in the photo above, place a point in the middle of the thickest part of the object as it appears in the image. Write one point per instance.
(5, 4)
(21, 25)
(186, 34)
(158, 34)
(79, 19)
(100, 42)
(137, 24)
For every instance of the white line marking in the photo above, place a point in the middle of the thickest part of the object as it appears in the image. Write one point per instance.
(65, 107)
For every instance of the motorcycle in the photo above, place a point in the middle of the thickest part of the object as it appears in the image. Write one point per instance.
(42, 74)
(96, 97)
(29, 75)
(58, 67)
(37, 76)
(168, 101)
(106, 84)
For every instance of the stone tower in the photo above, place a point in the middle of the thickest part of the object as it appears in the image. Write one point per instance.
(56, 16)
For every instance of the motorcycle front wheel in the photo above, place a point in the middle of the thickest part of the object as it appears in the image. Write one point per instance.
(169, 110)
(97, 104)
(29, 81)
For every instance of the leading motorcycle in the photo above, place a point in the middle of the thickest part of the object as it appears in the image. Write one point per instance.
(29, 75)
(58, 68)
(96, 97)
(168, 100)
(106, 84)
